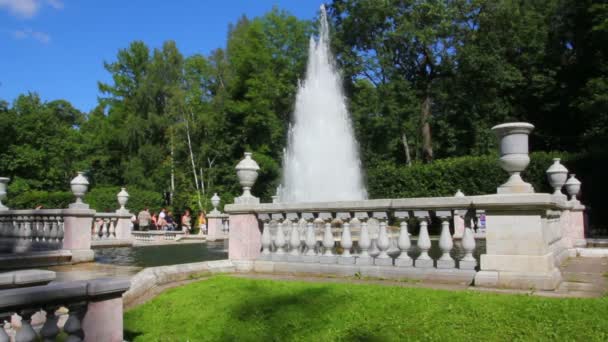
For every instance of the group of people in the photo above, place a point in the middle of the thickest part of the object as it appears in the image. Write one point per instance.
(164, 220)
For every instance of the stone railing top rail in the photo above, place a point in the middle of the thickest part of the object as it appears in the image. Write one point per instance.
(113, 215)
(156, 232)
(47, 212)
(60, 293)
(486, 202)
(23, 278)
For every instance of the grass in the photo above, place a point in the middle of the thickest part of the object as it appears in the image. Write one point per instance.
(225, 308)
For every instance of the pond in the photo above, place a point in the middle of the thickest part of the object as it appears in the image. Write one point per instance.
(161, 255)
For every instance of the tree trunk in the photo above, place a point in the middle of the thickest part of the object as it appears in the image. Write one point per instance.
(427, 142)
(172, 167)
(406, 147)
(198, 193)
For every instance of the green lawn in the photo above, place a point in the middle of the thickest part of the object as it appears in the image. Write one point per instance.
(226, 308)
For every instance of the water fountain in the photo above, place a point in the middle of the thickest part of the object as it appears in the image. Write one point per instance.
(321, 162)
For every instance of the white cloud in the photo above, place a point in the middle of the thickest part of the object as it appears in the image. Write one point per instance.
(42, 37)
(28, 8)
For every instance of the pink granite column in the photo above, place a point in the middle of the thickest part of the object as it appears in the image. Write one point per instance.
(577, 227)
(103, 321)
(245, 238)
(214, 227)
(123, 226)
(77, 224)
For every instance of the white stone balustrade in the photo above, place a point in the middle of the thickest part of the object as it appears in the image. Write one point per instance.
(354, 245)
(156, 235)
(23, 231)
(523, 232)
(83, 310)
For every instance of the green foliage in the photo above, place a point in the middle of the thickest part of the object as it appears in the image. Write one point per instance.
(33, 198)
(474, 175)
(104, 199)
(238, 309)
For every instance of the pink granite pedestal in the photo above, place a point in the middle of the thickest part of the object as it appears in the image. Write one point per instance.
(245, 238)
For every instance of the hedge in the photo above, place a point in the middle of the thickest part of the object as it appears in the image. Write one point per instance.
(473, 175)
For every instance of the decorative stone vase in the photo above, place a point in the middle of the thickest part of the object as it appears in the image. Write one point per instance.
(573, 186)
(79, 186)
(3, 185)
(215, 201)
(247, 172)
(514, 156)
(459, 194)
(123, 198)
(557, 175)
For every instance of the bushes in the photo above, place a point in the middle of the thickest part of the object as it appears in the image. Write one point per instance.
(103, 199)
(474, 175)
(32, 198)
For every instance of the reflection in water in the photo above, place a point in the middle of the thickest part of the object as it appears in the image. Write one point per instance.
(150, 256)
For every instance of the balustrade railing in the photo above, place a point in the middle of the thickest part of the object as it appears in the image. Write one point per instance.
(104, 226)
(24, 231)
(365, 238)
(77, 309)
(156, 236)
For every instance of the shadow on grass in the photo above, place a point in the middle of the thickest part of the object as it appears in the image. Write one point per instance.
(129, 335)
(307, 314)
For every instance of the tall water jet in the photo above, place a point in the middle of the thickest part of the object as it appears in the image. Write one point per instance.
(321, 162)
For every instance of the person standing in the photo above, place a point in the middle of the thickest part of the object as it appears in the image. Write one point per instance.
(186, 224)
(144, 219)
(202, 223)
(154, 221)
(162, 219)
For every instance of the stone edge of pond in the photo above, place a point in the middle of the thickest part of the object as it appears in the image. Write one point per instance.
(144, 283)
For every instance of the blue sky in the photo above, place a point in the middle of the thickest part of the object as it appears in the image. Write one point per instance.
(57, 47)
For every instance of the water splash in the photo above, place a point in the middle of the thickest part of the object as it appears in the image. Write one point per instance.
(321, 162)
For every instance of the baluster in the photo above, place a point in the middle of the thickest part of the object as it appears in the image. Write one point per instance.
(445, 241)
(3, 335)
(404, 243)
(311, 239)
(2, 238)
(266, 239)
(26, 333)
(279, 240)
(34, 245)
(364, 241)
(73, 326)
(19, 235)
(95, 229)
(60, 231)
(468, 262)
(50, 330)
(106, 229)
(294, 238)
(328, 256)
(54, 232)
(44, 233)
(346, 241)
(383, 259)
(424, 241)
(112, 227)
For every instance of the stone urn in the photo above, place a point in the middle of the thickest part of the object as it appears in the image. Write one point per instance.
(3, 185)
(459, 194)
(247, 172)
(557, 175)
(514, 158)
(215, 201)
(573, 186)
(79, 186)
(123, 198)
